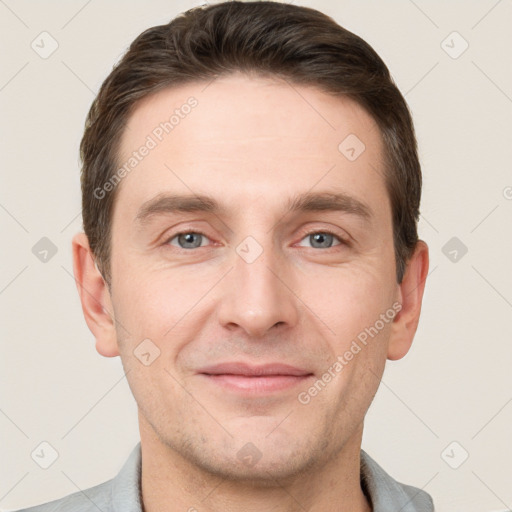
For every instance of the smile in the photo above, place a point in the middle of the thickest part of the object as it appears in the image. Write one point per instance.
(250, 379)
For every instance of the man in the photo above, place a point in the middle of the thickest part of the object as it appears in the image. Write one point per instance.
(251, 191)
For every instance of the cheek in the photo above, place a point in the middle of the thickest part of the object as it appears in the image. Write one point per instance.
(146, 295)
(348, 300)
(161, 305)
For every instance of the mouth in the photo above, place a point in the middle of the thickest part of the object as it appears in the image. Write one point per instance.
(251, 379)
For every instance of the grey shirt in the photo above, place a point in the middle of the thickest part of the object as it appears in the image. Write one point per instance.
(122, 493)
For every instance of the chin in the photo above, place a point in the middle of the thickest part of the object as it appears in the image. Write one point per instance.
(266, 474)
(261, 462)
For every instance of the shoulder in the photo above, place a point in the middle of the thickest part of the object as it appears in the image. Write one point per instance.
(120, 494)
(89, 500)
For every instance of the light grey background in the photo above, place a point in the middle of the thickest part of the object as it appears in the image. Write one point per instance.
(454, 385)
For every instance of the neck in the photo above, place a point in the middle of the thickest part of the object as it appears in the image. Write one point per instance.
(172, 483)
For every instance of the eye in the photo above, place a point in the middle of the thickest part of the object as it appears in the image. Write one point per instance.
(188, 240)
(322, 240)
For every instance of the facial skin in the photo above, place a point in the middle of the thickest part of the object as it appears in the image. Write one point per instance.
(252, 145)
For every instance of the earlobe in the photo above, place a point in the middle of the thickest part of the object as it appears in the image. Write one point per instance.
(410, 297)
(94, 296)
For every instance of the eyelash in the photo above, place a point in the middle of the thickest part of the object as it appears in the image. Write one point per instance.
(342, 240)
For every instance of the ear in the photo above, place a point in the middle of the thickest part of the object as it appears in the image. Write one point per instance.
(94, 296)
(410, 295)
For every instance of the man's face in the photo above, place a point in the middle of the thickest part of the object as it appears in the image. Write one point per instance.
(255, 283)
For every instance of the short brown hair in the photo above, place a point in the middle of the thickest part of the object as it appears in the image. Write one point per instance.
(299, 44)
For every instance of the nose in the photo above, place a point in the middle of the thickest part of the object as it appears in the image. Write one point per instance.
(257, 295)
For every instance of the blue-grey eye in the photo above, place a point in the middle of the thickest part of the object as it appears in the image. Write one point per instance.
(188, 240)
(321, 240)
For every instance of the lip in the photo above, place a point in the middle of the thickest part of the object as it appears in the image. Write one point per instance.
(248, 370)
(255, 379)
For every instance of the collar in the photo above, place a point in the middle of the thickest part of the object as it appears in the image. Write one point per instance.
(388, 495)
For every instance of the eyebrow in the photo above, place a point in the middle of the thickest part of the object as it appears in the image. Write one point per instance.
(326, 201)
(163, 204)
(306, 202)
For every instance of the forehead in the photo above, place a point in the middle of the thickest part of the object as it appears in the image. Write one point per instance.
(242, 139)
